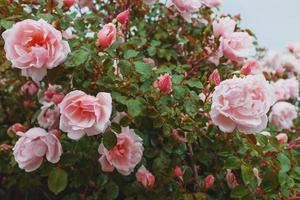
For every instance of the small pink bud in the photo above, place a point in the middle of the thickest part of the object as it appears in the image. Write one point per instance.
(164, 84)
(145, 177)
(30, 88)
(69, 3)
(107, 35)
(231, 179)
(123, 17)
(52, 94)
(17, 127)
(209, 181)
(178, 172)
(282, 138)
(178, 137)
(215, 77)
(57, 98)
(5, 147)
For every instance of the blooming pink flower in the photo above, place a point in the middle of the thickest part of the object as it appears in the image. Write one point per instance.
(49, 116)
(286, 89)
(211, 3)
(185, 7)
(145, 177)
(242, 103)
(231, 179)
(107, 35)
(123, 17)
(237, 46)
(85, 114)
(17, 127)
(164, 84)
(282, 115)
(209, 181)
(33, 146)
(215, 77)
(282, 138)
(125, 155)
(34, 46)
(30, 88)
(178, 172)
(293, 47)
(223, 27)
(289, 63)
(53, 94)
(251, 66)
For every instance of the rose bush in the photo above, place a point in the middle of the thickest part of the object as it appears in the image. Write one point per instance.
(133, 99)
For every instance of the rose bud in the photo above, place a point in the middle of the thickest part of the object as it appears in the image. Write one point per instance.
(5, 147)
(145, 177)
(123, 17)
(30, 88)
(178, 172)
(17, 127)
(215, 77)
(209, 181)
(282, 138)
(69, 3)
(107, 35)
(164, 84)
(231, 179)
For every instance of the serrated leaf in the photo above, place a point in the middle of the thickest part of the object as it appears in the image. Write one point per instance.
(143, 69)
(134, 107)
(239, 192)
(130, 54)
(285, 162)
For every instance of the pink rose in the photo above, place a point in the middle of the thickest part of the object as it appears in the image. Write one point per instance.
(231, 179)
(282, 115)
(123, 17)
(242, 103)
(223, 27)
(282, 138)
(211, 3)
(289, 63)
(30, 88)
(49, 117)
(125, 155)
(34, 46)
(145, 177)
(53, 94)
(164, 84)
(251, 66)
(107, 35)
(215, 77)
(293, 47)
(178, 172)
(85, 114)
(286, 89)
(185, 7)
(33, 146)
(209, 181)
(237, 46)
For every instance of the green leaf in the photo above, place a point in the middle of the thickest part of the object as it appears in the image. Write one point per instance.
(6, 24)
(130, 54)
(143, 68)
(112, 190)
(57, 180)
(109, 140)
(77, 58)
(247, 175)
(232, 162)
(239, 192)
(134, 107)
(194, 83)
(285, 162)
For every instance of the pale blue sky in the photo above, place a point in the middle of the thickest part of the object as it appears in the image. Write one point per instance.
(275, 22)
